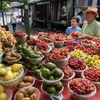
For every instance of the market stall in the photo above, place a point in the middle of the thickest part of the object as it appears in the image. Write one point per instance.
(48, 63)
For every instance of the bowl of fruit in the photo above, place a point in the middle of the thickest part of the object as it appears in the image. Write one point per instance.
(37, 75)
(50, 74)
(92, 74)
(50, 89)
(60, 56)
(12, 57)
(43, 47)
(78, 54)
(87, 43)
(5, 94)
(75, 35)
(81, 89)
(93, 61)
(27, 81)
(77, 65)
(59, 40)
(35, 57)
(11, 76)
(28, 93)
(20, 37)
(68, 75)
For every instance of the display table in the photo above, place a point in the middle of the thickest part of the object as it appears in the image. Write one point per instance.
(66, 93)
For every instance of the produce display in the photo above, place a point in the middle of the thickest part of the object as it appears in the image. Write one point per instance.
(87, 42)
(32, 42)
(26, 81)
(46, 37)
(10, 73)
(76, 63)
(51, 72)
(3, 95)
(92, 74)
(30, 93)
(42, 46)
(78, 54)
(19, 34)
(70, 44)
(59, 53)
(12, 56)
(81, 86)
(50, 89)
(67, 72)
(43, 64)
(93, 61)
(75, 34)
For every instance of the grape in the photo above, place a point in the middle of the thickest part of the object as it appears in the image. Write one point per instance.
(78, 54)
(93, 61)
(92, 74)
(81, 86)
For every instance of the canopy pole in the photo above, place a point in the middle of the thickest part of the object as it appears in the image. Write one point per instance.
(26, 18)
(2, 14)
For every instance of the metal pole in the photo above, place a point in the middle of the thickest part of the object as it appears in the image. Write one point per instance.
(26, 15)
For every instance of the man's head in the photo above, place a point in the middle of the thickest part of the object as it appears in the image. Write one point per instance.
(74, 22)
(91, 13)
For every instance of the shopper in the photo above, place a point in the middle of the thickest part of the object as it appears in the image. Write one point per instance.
(74, 26)
(13, 22)
(80, 16)
(91, 27)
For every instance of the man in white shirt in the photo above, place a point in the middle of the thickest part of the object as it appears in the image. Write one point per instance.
(13, 22)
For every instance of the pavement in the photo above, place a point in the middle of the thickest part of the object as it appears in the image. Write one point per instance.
(21, 27)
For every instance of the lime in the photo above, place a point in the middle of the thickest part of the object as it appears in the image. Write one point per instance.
(51, 78)
(39, 66)
(36, 72)
(59, 86)
(50, 66)
(57, 73)
(51, 89)
(46, 72)
(28, 65)
(45, 86)
(19, 47)
(33, 68)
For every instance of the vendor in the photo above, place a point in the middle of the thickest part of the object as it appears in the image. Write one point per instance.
(74, 26)
(91, 27)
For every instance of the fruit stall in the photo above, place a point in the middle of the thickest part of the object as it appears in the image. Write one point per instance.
(48, 65)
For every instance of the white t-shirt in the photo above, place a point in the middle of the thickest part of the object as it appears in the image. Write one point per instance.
(80, 19)
(13, 20)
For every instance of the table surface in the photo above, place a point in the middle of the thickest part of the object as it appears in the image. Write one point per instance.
(66, 93)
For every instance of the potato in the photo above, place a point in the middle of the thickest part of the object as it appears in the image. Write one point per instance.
(12, 58)
(30, 79)
(34, 96)
(26, 98)
(24, 92)
(21, 85)
(7, 57)
(19, 96)
(25, 78)
(31, 90)
(28, 83)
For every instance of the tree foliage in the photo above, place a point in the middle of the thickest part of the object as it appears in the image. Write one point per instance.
(5, 6)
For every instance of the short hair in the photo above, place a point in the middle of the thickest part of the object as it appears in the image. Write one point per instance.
(80, 13)
(76, 18)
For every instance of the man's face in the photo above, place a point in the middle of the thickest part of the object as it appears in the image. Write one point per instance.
(90, 16)
(74, 23)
